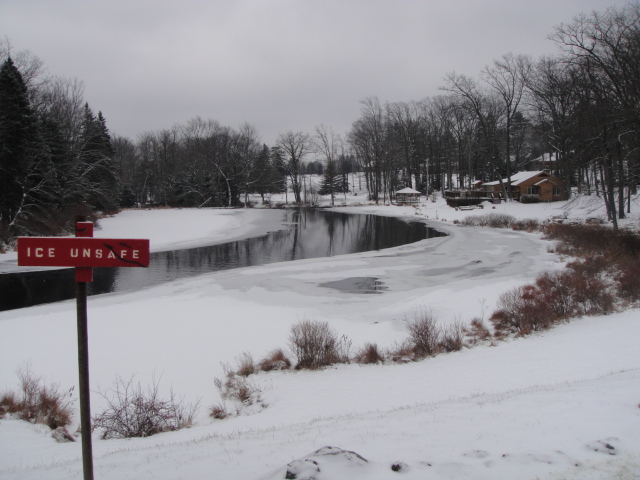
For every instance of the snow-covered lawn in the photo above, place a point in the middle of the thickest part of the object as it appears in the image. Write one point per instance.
(563, 404)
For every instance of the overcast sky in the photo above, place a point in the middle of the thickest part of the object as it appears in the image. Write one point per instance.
(278, 64)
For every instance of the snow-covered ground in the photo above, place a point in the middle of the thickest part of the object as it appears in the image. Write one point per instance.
(563, 404)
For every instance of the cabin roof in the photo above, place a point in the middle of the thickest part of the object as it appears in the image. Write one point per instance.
(520, 177)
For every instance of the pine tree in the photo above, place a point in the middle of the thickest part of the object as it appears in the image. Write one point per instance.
(96, 177)
(331, 181)
(17, 132)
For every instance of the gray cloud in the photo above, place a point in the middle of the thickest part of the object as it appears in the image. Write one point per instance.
(277, 64)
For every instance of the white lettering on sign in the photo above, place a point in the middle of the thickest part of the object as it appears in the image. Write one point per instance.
(111, 255)
(40, 252)
(135, 254)
(86, 253)
(123, 253)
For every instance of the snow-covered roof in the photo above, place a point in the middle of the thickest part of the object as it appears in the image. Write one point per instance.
(518, 178)
(408, 190)
(547, 157)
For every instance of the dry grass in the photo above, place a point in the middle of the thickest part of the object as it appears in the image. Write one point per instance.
(477, 332)
(246, 365)
(369, 354)
(452, 337)
(38, 402)
(275, 360)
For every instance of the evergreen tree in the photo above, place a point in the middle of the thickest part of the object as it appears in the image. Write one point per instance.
(96, 177)
(17, 131)
(331, 181)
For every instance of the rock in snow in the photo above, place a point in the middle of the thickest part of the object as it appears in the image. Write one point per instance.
(324, 464)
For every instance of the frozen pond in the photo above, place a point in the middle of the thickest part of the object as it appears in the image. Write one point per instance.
(307, 233)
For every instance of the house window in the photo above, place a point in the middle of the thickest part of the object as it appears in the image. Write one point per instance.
(556, 191)
(531, 190)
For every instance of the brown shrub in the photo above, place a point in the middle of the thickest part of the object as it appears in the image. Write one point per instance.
(235, 387)
(492, 220)
(275, 360)
(37, 401)
(591, 266)
(554, 296)
(315, 344)
(219, 412)
(590, 295)
(9, 403)
(246, 366)
(424, 333)
(590, 240)
(136, 412)
(401, 352)
(526, 225)
(477, 331)
(452, 337)
(628, 279)
(521, 310)
(369, 354)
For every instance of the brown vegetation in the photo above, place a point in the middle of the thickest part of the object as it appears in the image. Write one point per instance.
(38, 402)
(136, 412)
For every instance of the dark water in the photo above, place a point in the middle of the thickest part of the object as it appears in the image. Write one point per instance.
(307, 234)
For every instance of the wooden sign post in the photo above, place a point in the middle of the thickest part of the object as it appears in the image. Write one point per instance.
(83, 252)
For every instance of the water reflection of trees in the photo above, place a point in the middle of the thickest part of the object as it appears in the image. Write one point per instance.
(311, 234)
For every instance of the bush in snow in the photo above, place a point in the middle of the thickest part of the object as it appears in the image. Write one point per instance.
(526, 225)
(369, 354)
(554, 297)
(529, 198)
(315, 345)
(628, 278)
(452, 337)
(493, 220)
(401, 352)
(136, 412)
(37, 401)
(424, 333)
(275, 360)
(477, 332)
(246, 366)
(237, 389)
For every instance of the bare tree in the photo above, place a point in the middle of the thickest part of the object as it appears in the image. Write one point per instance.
(487, 110)
(293, 146)
(328, 144)
(507, 78)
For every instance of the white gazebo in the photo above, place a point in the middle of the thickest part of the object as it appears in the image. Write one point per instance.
(407, 196)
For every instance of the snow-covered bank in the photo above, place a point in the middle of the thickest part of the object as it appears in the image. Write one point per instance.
(544, 406)
(174, 229)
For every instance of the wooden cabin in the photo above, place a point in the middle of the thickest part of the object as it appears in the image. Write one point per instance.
(541, 183)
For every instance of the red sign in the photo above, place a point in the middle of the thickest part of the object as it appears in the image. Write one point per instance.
(82, 252)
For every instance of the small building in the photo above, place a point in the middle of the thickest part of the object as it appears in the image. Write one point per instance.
(546, 161)
(408, 196)
(541, 183)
